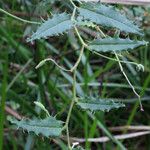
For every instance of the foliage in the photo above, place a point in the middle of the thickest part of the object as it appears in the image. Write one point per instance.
(107, 16)
(73, 35)
(96, 104)
(55, 26)
(47, 127)
(114, 44)
(99, 14)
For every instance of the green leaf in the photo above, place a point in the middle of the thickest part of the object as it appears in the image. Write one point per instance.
(96, 104)
(107, 16)
(47, 127)
(55, 26)
(114, 44)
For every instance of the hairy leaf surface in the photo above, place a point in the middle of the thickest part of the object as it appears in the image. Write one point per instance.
(107, 16)
(114, 44)
(55, 26)
(47, 127)
(96, 104)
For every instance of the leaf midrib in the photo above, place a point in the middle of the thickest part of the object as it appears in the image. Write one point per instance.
(110, 18)
(38, 34)
(40, 126)
(98, 103)
(115, 44)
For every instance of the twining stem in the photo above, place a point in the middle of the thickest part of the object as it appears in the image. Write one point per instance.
(80, 38)
(73, 4)
(20, 19)
(73, 14)
(121, 68)
(74, 99)
(62, 68)
(79, 59)
(113, 59)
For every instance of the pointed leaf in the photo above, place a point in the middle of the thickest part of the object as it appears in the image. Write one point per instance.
(96, 104)
(107, 16)
(47, 127)
(114, 44)
(57, 25)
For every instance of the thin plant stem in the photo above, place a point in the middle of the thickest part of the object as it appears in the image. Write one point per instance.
(101, 32)
(73, 4)
(18, 18)
(80, 38)
(121, 68)
(79, 59)
(70, 109)
(73, 14)
(41, 63)
(74, 81)
(113, 59)
(85, 45)
(62, 68)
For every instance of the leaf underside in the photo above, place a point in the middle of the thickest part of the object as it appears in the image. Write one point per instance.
(107, 16)
(114, 44)
(47, 127)
(55, 26)
(96, 104)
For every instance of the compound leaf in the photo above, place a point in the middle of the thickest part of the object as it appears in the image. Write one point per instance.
(107, 16)
(47, 127)
(114, 44)
(96, 104)
(55, 26)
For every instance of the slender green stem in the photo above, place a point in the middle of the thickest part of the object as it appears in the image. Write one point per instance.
(67, 123)
(20, 19)
(62, 68)
(79, 59)
(121, 68)
(73, 69)
(101, 32)
(73, 4)
(41, 63)
(113, 59)
(70, 109)
(3, 98)
(73, 14)
(80, 38)
(115, 140)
